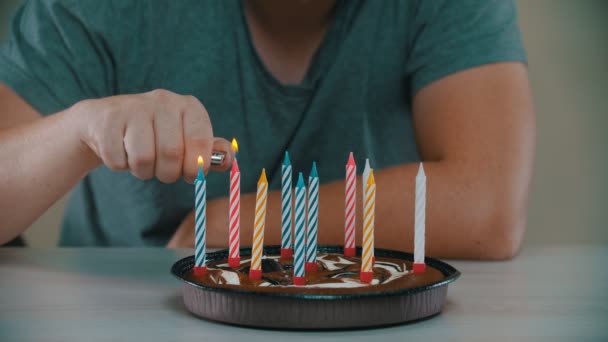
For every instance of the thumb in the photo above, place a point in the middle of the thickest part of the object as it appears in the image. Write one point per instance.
(222, 146)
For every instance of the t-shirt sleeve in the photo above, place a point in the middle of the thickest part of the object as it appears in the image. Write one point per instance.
(52, 58)
(450, 36)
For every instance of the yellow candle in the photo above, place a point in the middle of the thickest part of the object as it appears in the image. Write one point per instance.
(369, 214)
(255, 271)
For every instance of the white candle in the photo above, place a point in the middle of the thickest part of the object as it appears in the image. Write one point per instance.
(350, 206)
(365, 177)
(419, 224)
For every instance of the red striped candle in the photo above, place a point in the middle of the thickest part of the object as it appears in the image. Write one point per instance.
(350, 205)
(234, 259)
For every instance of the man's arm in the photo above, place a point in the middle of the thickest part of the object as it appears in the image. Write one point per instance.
(476, 134)
(42, 159)
(155, 134)
(478, 129)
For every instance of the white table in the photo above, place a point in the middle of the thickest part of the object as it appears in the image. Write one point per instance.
(545, 294)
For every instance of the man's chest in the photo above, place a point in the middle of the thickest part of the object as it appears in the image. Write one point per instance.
(356, 99)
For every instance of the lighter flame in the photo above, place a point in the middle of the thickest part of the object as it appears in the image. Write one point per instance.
(200, 161)
(235, 145)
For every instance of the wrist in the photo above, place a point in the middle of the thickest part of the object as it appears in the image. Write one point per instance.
(75, 119)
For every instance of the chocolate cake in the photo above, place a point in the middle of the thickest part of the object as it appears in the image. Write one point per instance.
(336, 275)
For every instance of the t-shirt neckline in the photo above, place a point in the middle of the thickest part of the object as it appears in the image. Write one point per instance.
(321, 60)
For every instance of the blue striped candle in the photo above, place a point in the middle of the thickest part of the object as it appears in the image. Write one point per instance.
(200, 220)
(300, 240)
(313, 220)
(286, 204)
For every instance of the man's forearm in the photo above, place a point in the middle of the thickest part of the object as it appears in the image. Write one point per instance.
(46, 161)
(461, 214)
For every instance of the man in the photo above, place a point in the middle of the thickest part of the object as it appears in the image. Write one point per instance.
(138, 89)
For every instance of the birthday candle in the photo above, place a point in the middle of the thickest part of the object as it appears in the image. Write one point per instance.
(200, 220)
(369, 214)
(313, 220)
(419, 224)
(300, 233)
(234, 259)
(365, 175)
(286, 222)
(255, 271)
(350, 206)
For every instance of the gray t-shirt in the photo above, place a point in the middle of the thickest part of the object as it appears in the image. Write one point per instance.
(356, 96)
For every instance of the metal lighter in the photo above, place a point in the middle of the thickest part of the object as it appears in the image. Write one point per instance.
(217, 158)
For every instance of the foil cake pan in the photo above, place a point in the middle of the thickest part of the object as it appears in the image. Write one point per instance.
(305, 311)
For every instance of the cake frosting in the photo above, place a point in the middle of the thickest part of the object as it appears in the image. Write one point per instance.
(336, 274)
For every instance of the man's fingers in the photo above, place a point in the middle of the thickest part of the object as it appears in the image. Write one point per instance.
(139, 144)
(222, 145)
(195, 147)
(168, 130)
(112, 150)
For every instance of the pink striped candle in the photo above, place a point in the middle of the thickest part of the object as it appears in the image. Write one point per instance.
(350, 207)
(234, 259)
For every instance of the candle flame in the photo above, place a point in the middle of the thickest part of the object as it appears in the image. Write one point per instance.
(235, 145)
(200, 161)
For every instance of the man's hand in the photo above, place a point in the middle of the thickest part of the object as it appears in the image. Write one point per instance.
(152, 134)
(155, 134)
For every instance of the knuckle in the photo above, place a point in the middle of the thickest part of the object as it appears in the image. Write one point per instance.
(169, 177)
(203, 128)
(189, 177)
(115, 165)
(197, 141)
(105, 118)
(190, 172)
(109, 120)
(193, 101)
(143, 160)
(104, 154)
(161, 94)
(111, 161)
(172, 152)
(141, 175)
(193, 105)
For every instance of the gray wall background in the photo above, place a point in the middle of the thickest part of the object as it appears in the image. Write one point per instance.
(567, 44)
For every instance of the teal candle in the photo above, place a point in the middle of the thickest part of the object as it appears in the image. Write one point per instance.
(313, 220)
(286, 204)
(300, 233)
(200, 220)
